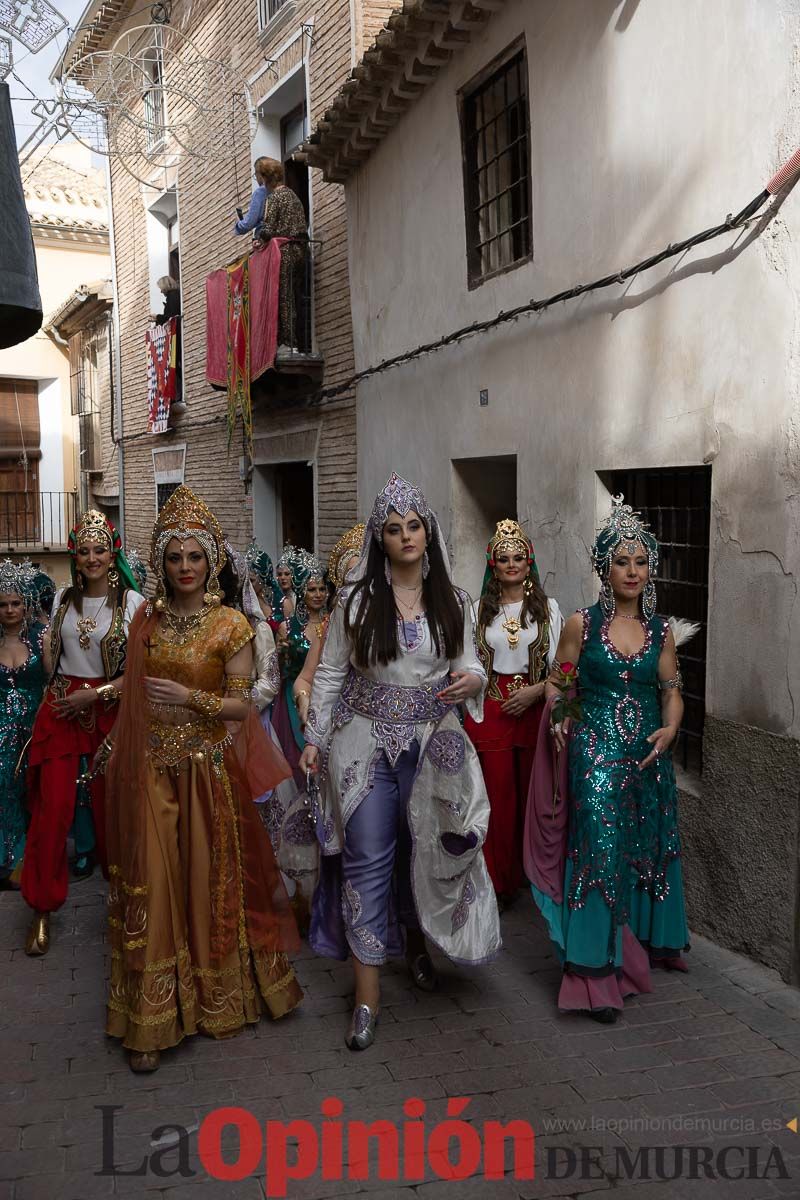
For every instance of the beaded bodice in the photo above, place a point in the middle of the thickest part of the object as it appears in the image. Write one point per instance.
(197, 660)
(21, 689)
(619, 693)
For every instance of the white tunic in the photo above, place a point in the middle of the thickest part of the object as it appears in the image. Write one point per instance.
(448, 810)
(88, 664)
(508, 661)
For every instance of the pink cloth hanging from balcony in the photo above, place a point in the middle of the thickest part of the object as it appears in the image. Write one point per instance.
(264, 270)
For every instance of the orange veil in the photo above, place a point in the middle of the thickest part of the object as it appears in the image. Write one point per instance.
(253, 766)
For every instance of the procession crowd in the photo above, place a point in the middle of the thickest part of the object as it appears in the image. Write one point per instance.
(351, 752)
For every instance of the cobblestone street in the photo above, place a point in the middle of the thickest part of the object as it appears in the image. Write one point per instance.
(712, 1058)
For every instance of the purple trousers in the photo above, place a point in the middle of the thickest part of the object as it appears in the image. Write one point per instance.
(365, 893)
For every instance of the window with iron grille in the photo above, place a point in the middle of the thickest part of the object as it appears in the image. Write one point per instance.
(153, 97)
(163, 493)
(676, 503)
(495, 132)
(267, 9)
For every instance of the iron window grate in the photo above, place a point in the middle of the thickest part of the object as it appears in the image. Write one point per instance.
(676, 502)
(496, 148)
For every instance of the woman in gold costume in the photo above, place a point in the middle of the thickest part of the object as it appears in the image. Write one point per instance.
(200, 923)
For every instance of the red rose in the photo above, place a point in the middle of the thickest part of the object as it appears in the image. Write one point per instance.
(568, 668)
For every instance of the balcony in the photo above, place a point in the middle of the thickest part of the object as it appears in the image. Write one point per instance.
(298, 367)
(36, 520)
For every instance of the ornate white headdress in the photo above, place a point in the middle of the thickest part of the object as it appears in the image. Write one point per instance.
(402, 497)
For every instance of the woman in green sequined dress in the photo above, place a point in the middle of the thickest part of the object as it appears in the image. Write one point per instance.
(286, 813)
(621, 898)
(22, 681)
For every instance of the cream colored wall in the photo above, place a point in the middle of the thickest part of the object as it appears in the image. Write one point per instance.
(62, 267)
(642, 134)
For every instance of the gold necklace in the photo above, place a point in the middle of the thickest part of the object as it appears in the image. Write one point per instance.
(512, 627)
(87, 625)
(183, 626)
(408, 607)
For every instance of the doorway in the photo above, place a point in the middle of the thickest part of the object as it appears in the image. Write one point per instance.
(283, 506)
(484, 490)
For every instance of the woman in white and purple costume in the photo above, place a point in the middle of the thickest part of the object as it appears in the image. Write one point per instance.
(406, 810)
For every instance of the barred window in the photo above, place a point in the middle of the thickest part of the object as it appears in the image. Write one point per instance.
(267, 9)
(676, 503)
(495, 131)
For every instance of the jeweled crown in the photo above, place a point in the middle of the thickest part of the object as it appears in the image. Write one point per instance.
(183, 516)
(509, 535)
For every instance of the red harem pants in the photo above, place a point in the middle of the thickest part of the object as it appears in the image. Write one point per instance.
(505, 746)
(53, 768)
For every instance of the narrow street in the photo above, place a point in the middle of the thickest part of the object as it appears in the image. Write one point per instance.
(710, 1059)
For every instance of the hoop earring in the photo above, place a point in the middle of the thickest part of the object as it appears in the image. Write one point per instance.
(649, 599)
(608, 603)
(213, 593)
(426, 565)
(387, 570)
(113, 576)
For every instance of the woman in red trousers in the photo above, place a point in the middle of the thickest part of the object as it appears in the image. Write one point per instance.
(84, 654)
(518, 631)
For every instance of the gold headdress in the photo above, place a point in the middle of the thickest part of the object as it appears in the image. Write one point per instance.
(186, 516)
(93, 526)
(509, 535)
(348, 547)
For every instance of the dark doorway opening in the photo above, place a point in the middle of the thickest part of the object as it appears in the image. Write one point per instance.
(676, 503)
(294, 484)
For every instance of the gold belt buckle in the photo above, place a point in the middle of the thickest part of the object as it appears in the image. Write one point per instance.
(517, 682)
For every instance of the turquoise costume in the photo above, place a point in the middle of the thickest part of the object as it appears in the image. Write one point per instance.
(602, 848)
(623, 851)
(20, 695)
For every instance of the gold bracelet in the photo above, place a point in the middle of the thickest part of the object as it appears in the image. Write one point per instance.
(307, 695)
(108, 693)
(204, 703)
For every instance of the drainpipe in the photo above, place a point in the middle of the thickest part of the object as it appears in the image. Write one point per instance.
(116, 391)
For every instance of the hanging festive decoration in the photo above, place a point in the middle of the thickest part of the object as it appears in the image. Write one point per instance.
(160, 99)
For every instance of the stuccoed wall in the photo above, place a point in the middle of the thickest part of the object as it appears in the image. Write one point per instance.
(649, 123)
(740, 844)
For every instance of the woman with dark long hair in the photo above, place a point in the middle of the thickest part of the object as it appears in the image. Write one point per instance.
(199, 920)
(399, 657)
(84, 653)
(518, 631)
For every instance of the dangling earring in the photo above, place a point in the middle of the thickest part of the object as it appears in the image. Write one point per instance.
(212, 595)
(79, 581)
(160, 600)
(527, 586)
(387, 569)
(608, 603)
(649, 599)
(113, 576)
(426, 565)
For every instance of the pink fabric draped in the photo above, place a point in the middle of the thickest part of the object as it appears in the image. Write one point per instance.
(264, 267)
(547, 815)
(579, 992)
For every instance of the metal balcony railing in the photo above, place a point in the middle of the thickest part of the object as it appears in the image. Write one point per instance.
(37, 519)
(297, 297)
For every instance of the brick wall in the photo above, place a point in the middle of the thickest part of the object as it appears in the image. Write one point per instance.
(208, 193)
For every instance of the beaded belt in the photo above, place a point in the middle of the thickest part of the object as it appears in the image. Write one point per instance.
(171, 744)
(393, 703)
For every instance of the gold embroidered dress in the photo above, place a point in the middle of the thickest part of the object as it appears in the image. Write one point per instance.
(199, 919)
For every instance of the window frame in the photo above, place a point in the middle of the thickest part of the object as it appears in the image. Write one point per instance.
(478, 82)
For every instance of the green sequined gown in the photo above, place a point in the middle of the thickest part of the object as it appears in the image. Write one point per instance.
(623, 864)
(20, 695)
